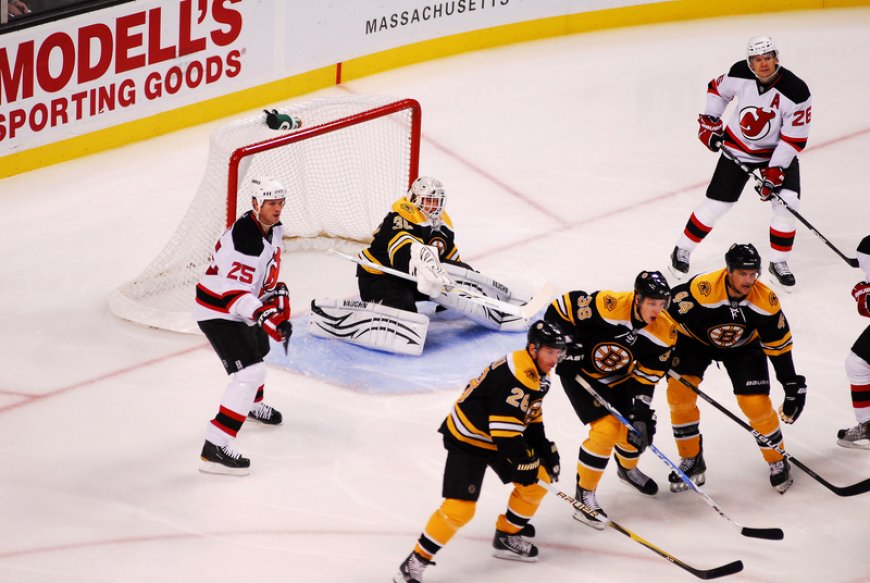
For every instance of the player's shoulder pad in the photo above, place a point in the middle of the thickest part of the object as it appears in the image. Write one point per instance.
(741, 70)
(764, 298)
(792, 86)
(611, 303)
(664, 328)
(445, 218)
(409, 211)
(523, 368)
(247, 237)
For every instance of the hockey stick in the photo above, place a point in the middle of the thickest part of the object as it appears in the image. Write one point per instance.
(850, 260)
(765, 533)
(729, 569)
(853, 490)
(541, 298)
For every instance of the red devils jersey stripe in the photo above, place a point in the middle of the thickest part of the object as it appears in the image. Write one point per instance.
(797, 143)
(219, 303)
(734, 142)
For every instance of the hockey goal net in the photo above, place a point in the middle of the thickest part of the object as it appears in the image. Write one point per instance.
(352, 157)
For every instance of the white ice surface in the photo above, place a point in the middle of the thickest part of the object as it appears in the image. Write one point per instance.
(572, 159)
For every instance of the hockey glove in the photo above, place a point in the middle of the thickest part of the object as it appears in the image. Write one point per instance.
(573, 353)
(643, 419)
(710, 131)
(281, 298)
(281, 121)
(795, 399)
(426, 267)
(549, 455)
(274, 322)
(771, 182)
(861, 293)
(525, 468)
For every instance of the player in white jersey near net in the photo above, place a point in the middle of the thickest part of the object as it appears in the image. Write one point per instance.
(240, 304)
(768, 127)
(858, 361)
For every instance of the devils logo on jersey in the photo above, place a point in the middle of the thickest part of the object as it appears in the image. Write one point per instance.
(755, 122)
(610, 357)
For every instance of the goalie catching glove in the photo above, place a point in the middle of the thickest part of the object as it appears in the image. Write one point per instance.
(426, 267)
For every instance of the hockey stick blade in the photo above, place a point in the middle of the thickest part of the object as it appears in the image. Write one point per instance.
(715, 573)
(852, 490)
(765, 533)
(539, 301)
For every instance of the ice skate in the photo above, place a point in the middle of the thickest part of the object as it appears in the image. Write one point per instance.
(411, 569)
(637, 479)
(694, 468)
(513, 547)
(782, 274)
(223, 460)
(592, 515)
(265, 414)
(679, 266)
(780, 477)
(857, 437)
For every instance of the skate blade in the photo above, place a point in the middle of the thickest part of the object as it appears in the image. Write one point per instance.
(216, 468)
(782, 488)
(860, 444)
(583, 519)
(511, 556)
(681, 486)
(676, 274)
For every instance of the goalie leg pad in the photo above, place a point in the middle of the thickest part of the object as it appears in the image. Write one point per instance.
(482, 283)
(369, 324)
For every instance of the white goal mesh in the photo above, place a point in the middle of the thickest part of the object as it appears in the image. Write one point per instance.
(352, 157)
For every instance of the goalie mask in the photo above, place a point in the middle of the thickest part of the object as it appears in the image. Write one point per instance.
(427, 194)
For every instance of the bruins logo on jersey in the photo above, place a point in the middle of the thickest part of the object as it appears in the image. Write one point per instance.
(704, 288)
(774, 301)
(611, 357)
(609, 303)
(726, 335)
(439, 244)
(684, 307)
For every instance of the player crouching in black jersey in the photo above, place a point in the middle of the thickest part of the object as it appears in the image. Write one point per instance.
(497, 422)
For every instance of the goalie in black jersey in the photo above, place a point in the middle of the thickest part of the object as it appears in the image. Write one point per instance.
(620, 344)
(497, 422)
(416, 238)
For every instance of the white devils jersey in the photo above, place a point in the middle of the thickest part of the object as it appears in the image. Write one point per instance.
(770, 124)
(245, 265)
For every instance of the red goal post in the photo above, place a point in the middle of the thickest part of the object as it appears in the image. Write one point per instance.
(353, 156)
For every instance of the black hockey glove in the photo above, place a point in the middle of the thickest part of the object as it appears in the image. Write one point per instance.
(573, 353)
(795, 399)
(643, 419)
(549, 455)
(525, 468)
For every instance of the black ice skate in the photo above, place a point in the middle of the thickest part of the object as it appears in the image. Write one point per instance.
(223, 460)
(679, 266)
(592, 514)
(514, 547)
(265, 414)
(636, 479)
(782, 274)
(411, 569)
(780, 477)
(694, 468)
(857, 437)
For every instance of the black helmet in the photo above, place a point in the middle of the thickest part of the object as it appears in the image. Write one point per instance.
(652, 284)
(543, 333)
(743, 256)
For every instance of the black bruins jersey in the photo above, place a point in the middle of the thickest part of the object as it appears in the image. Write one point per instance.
(706, 314)
(618, 350)
(495, 409)
(404, 224)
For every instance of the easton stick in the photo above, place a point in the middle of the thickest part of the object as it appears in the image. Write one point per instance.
(853, 490)
(850, 260)
(526, 311)
(765, 533)
(716, 572)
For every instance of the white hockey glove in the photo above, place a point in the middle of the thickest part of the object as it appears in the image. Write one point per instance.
(426, 267)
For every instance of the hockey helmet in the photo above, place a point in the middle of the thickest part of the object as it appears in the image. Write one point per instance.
(761, 45)
(426, 188)
(265, 188)
(543, 333)
(743, 256)
(652, 284)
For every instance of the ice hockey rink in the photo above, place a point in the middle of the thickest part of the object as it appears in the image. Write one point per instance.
(572, 159)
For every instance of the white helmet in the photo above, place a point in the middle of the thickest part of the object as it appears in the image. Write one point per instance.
(760, 45)
(427, 188)
(265, 188)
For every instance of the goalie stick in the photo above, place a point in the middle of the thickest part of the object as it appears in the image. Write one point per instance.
(729, 569)
(540, 300)
(853, 490)
(850, 260)
(765, 533)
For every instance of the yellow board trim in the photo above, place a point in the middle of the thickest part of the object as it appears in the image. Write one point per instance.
(360, 67)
